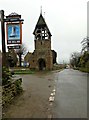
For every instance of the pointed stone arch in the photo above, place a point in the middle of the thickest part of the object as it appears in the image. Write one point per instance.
(41, 64)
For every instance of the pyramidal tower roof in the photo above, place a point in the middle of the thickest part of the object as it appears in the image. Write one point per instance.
(41, 23)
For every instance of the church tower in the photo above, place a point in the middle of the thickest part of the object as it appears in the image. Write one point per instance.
(42, 57)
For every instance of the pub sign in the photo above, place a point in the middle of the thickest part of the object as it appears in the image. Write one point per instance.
(14, 33)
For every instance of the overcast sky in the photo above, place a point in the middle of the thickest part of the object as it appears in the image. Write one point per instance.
(66, 19)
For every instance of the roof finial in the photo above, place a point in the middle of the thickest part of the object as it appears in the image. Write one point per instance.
(41, 10)
(44, 15)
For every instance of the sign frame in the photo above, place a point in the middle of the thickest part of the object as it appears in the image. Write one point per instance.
(17, 29)
(14, 47)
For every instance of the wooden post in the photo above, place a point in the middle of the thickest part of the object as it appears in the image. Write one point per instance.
(3, 38)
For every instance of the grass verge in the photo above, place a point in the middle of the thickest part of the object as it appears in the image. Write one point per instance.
(84, 69)
(23, 72)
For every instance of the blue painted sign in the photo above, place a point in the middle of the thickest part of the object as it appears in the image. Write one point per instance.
(14, 33)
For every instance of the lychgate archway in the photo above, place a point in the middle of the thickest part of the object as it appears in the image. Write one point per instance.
(41, 64)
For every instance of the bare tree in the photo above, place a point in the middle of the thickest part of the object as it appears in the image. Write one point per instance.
(85, 44)
(20, 52)
(75, 58)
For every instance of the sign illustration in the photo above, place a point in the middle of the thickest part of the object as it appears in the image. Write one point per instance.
(14, 33)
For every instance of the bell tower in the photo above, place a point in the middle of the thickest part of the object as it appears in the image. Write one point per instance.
(42, 57)
(42, 41)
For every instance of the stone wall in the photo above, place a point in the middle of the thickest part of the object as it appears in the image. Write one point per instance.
(10, 91)
(43, 44)
(42, 51)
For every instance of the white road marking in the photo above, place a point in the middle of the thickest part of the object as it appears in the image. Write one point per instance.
(51, 99)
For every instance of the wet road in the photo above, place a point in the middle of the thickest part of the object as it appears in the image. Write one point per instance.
(71, 94)
(70, 98)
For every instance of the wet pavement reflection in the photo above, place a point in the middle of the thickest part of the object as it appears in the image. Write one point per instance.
(71, 94)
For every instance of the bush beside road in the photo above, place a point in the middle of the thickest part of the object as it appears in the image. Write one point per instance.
(82, 69)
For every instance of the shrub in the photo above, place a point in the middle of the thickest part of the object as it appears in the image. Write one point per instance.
(6, 76)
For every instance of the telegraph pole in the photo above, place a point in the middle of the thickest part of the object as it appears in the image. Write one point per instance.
(3, 38)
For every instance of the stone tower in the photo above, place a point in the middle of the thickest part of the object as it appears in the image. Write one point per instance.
(42, 57)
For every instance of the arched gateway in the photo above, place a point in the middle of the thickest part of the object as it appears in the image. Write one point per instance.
(41, 64)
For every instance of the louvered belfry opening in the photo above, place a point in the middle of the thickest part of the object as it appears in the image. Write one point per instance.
(41, 31)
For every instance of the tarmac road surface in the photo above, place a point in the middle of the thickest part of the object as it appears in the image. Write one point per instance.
(70, 99)
(71, 94)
